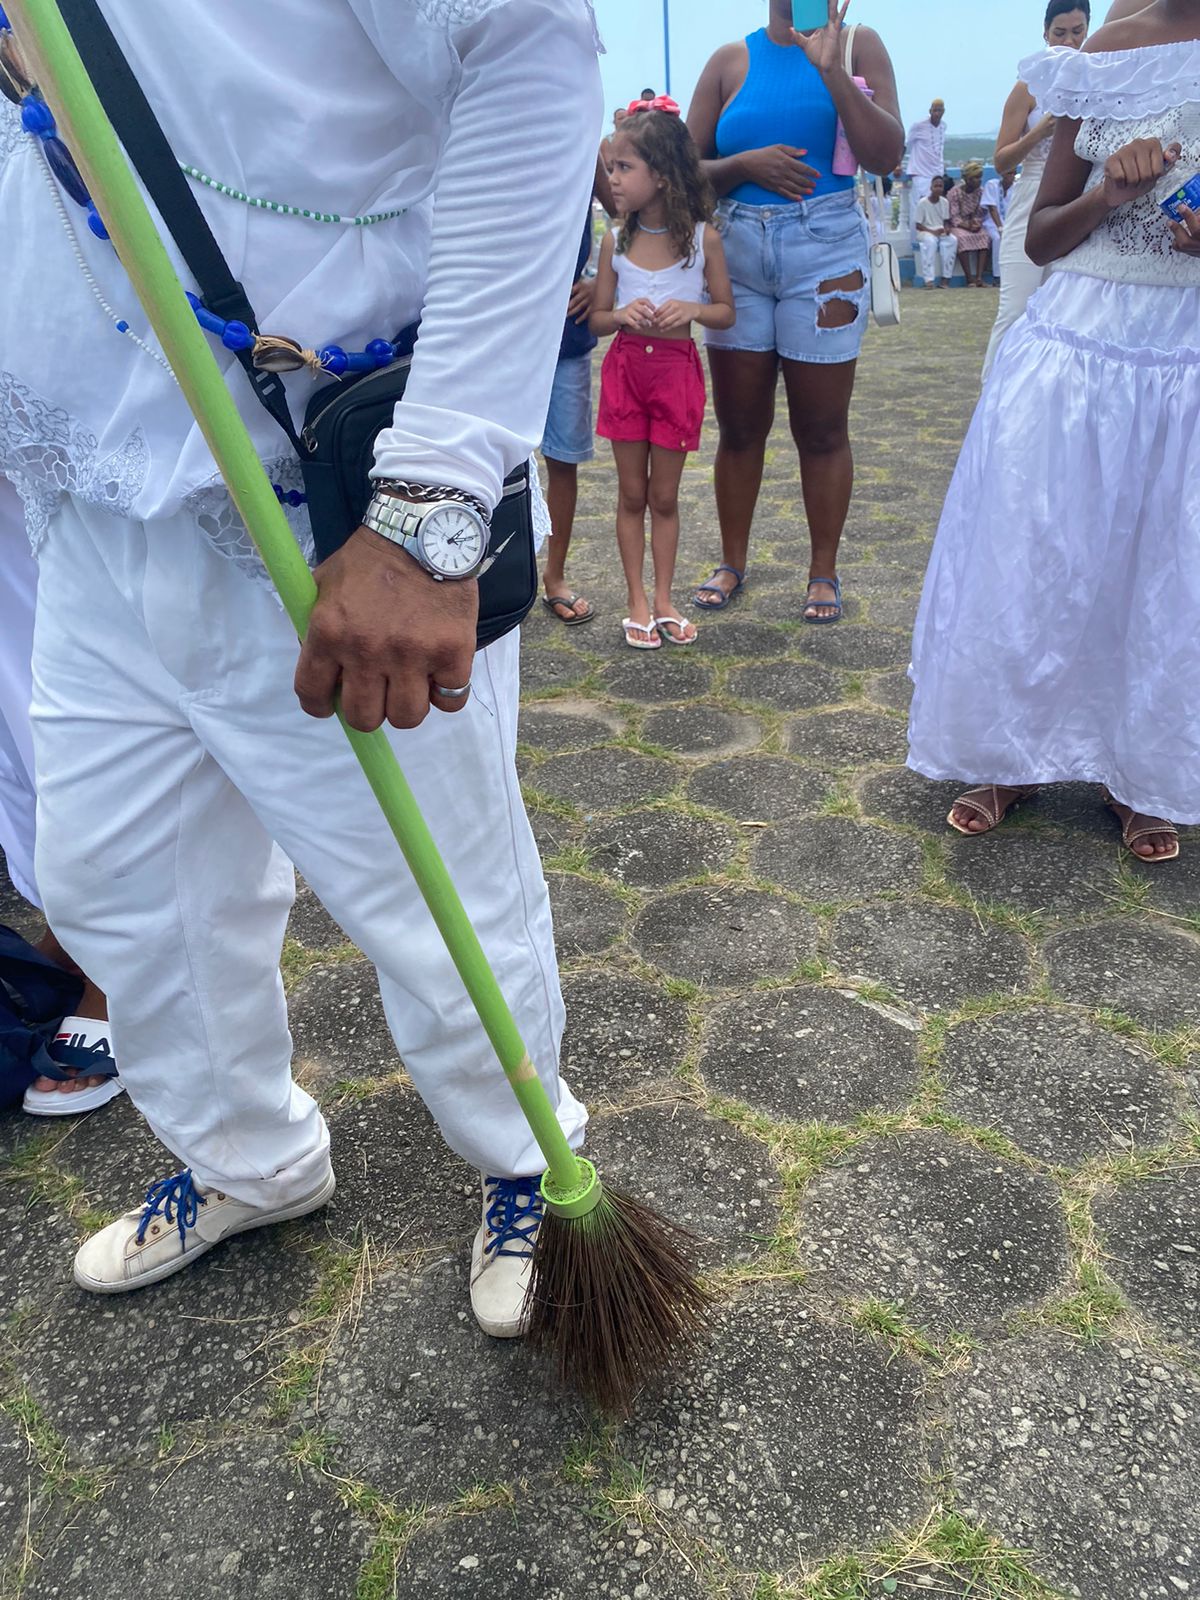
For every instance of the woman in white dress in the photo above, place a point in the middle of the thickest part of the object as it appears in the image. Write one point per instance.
(1025, 135)
(1057, 635)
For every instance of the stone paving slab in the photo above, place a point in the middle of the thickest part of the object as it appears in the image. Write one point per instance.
(588, 918)
(759, 789)
(423, 1406)
(338, 1026)
(931, 956)
(954, 1235)
(398, 1183)
(653, 849)
(1151, 1238)
(1142, 969)
(724, 937)
(809, 1054)
(1089, 1458)
(231, 1520)
(204, 1349)
(848, 738)
(832, 858)
(708, 1177)
(1058, 1086)
(547, 1546)
(790, 1440)
(623, 1035)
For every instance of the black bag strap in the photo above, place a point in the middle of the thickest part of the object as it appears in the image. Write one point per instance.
(150, 152)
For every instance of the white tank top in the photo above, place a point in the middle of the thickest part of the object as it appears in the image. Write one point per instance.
(677, 282)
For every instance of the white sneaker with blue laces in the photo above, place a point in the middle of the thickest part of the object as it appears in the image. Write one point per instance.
(503, 1254)
(178, 1223)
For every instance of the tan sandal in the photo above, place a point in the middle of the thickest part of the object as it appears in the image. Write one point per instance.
(984, 802)
(1131, 835)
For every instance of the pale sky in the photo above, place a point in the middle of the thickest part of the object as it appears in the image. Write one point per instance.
(966, 51)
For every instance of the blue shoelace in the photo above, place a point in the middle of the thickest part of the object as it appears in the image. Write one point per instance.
(513, 1215)
(175, 1200)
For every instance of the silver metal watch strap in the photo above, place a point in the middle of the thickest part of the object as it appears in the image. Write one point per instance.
(394, 519)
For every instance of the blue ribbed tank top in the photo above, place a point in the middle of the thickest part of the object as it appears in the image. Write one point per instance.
(783, 101)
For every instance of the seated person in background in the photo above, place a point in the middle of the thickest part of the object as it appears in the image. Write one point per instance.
(938, 246)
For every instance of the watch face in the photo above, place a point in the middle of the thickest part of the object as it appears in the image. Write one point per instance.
(453, 540)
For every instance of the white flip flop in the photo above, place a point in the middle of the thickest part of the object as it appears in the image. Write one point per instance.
(81, 1048)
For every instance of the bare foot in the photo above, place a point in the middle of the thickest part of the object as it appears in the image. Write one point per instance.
(817, 607)
(1149, 838)
(565, 604)
(677, 629)
(993, 802)
(92, 1006)
(725, 581)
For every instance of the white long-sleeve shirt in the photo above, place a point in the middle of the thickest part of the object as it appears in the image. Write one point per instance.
(926, 149)
(480, 117)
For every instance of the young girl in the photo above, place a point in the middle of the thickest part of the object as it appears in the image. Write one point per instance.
(1057, 638)
(665, 271)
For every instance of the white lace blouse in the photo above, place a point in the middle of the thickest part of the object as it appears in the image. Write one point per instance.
(1120, 96)
(348, 106)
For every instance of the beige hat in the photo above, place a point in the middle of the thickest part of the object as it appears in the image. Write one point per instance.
(936, 103)
(972, 169)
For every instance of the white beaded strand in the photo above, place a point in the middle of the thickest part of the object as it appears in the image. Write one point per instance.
(120, 323)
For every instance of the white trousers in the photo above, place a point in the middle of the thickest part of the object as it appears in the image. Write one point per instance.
(935, 251)
(175, 768)
(995, 235)
(18, 596)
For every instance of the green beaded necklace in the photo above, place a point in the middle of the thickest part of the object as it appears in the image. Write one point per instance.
(282, 210)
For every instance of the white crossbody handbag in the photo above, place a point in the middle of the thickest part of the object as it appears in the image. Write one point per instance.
(885, 264)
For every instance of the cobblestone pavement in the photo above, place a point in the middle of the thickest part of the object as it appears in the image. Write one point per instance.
(932, 1105)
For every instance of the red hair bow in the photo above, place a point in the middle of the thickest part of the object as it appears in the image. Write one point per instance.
(661, 102)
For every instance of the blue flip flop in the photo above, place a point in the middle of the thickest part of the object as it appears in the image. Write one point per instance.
(715, 588)
(835, 585)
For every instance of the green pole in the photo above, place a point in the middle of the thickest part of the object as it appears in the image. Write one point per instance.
(570, 1185)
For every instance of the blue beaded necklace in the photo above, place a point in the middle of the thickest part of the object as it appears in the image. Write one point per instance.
(280, 354)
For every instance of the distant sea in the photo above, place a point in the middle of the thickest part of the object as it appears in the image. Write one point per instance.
(972, 147)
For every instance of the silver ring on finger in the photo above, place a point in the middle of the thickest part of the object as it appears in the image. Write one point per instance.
(452, 694)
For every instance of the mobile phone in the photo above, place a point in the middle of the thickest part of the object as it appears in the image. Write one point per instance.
(809, 14)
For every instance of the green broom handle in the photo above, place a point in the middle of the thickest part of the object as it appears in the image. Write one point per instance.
(57, 68)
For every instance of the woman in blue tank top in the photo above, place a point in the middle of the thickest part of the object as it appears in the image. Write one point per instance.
(765, 116)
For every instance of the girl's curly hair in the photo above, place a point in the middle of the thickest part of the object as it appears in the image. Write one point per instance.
(663, 142)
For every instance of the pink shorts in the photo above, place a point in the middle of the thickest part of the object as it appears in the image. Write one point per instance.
(652, 389)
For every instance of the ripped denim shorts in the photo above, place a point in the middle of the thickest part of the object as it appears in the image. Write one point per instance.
(779, 256)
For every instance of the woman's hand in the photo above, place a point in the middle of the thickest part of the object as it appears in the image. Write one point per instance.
(779, 168)
(1045, 128)
(825, 47)
(1187, 232)
(1135, 169)
(675, 314)
(637, 316)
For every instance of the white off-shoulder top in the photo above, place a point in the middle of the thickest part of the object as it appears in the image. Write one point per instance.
(1119, 96)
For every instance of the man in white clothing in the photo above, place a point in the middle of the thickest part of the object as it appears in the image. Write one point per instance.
(927, 151)
(175, 761)
(995, 209)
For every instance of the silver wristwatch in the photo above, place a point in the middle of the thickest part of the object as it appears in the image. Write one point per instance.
(445, 530)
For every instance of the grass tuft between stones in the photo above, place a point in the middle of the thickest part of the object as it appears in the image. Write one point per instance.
(947, 1554)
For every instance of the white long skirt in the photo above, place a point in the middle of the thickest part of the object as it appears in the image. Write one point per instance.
(1058, 637)
(18, 592)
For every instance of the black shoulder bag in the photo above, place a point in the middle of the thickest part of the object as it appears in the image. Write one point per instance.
(336, 445)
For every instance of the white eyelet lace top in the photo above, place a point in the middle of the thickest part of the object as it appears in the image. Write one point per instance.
(1120, 96)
